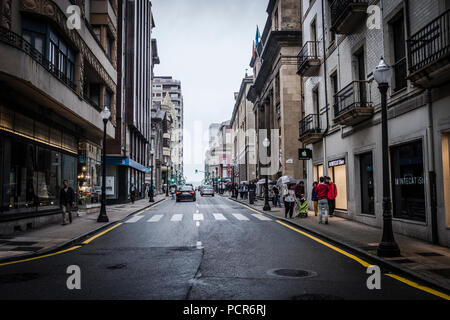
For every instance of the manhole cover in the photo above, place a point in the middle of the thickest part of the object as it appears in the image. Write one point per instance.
(18, 277)
(292, 273)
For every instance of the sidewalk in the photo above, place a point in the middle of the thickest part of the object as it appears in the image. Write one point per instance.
(48, 238)
(420, 259)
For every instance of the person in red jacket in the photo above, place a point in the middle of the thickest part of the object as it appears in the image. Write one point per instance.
(322, 195)
(332, 195)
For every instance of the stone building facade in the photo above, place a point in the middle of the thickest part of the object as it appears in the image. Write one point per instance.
(243, 135)
(276, 92)
(342, 45)
(54, 82)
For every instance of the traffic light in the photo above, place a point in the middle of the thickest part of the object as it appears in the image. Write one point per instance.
(219, 179)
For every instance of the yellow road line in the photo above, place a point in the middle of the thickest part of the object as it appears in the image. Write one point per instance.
(40, 257)
(345, 253)
(101, 233)
(136, 214)
(418, 286)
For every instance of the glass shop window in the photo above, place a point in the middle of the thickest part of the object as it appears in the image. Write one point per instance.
(408, 187)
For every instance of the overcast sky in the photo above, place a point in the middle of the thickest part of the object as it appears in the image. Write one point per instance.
(207, 44)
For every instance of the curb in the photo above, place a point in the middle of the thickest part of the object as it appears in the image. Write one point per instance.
(72, 241)
(381, 262)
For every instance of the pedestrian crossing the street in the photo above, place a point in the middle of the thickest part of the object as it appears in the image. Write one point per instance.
(197, 217)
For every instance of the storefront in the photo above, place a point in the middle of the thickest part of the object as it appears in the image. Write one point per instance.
(36, 157)
(89, 171)
(408, 187)
(338, 173)
(120, 174)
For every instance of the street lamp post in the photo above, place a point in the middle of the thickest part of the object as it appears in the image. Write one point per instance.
(151, 199)
(103, 217)
(167, 180)
(266, 144)
(388, 247)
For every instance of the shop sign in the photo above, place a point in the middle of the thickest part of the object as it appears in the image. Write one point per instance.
(336, 163)
(304, 154)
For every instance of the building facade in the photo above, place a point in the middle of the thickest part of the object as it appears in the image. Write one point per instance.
(167, 86)
(276, 92)
(243, 135)
(342, 45)
(54, 82)
(129, 153)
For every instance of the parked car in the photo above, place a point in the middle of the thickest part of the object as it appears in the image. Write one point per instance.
(185, 192)
(207, 190)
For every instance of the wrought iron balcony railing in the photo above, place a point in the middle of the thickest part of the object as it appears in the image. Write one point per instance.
(310, 125)
(13, 39)
(342, 9)
(356, 94)
(308, 53)
(430, 43)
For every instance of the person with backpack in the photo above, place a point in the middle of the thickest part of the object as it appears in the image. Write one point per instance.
(322, 196)
(289, 201)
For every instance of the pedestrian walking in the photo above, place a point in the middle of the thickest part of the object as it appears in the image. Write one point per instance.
(332, 195)
(132, 193)
(276, 201)
(289, 201)
(322, 196)
(245, 191)
(314, 198)
(67, 202)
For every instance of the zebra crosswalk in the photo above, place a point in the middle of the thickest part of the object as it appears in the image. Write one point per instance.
(197, 217)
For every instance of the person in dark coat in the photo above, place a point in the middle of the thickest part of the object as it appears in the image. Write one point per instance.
(314, 198)
(66, 201)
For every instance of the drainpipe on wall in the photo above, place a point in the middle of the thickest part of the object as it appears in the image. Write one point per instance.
(324, 144)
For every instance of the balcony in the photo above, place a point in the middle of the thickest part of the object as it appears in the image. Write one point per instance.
(347, 14)
(429, 53)
(308, 61)
(353, 103)
(310, 130)
(16, 41)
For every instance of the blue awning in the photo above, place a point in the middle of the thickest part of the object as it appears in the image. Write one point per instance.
(127, 162)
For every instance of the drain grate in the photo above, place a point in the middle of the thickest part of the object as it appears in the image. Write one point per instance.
(403, 261)
(442, 272)
(292, 273)
(429, 254)
(117, 266)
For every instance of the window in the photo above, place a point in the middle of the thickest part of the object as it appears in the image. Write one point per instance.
(334, 86)
(399, 53)
(48, 43)
(367, 186)
(108, 99)
(316, 101)
(109, 46)
(408, 181)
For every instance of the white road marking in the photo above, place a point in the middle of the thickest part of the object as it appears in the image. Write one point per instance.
(240, 217)
(198, 217)
(134, 219)
(196, 211)
(197, 223)
(199, 244)
(177, 217)
(219, 216)
(155, 218)
(261, 217)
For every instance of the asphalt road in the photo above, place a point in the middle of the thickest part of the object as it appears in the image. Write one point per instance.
(228, 253)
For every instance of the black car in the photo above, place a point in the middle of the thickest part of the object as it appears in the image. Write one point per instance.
(185, 192)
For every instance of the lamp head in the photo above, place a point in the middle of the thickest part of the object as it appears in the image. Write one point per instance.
(382, 73)
(106, 114)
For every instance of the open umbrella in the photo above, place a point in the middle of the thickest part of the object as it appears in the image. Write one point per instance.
(286, 180)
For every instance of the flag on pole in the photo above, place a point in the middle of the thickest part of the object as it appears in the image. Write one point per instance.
(253, 50)
(258, 36)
